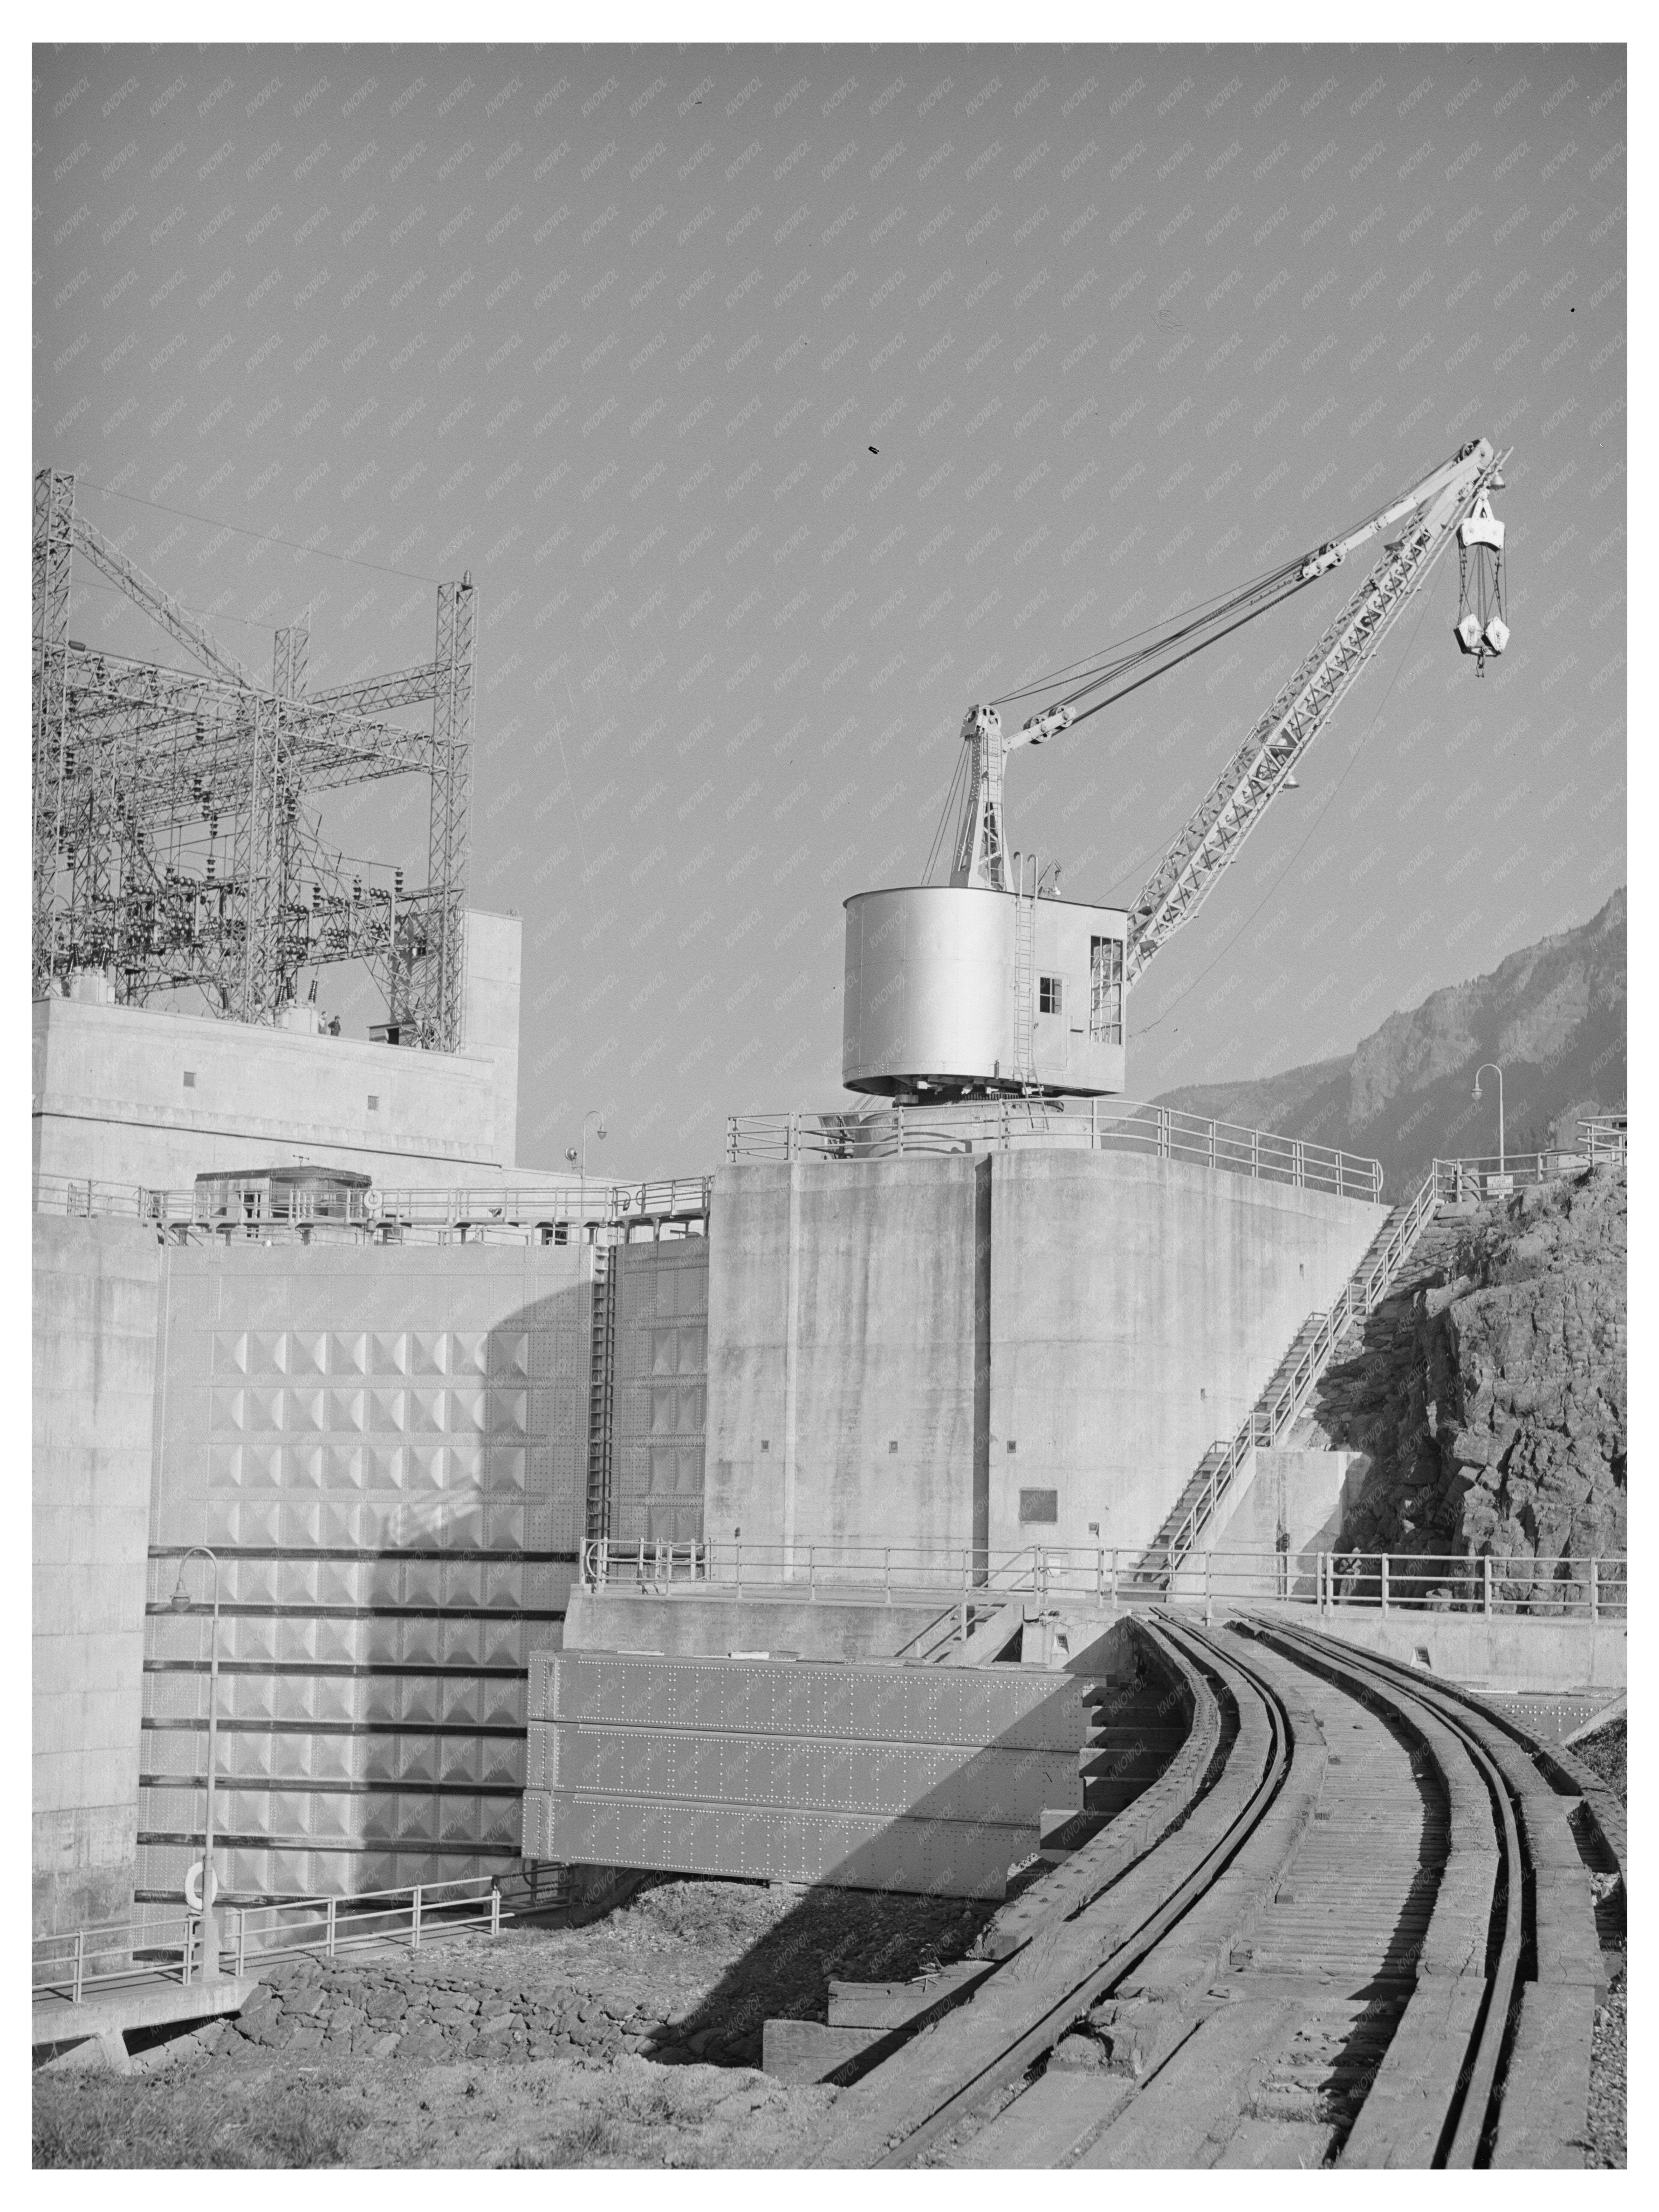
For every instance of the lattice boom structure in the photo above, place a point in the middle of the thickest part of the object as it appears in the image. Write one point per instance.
(132, 759)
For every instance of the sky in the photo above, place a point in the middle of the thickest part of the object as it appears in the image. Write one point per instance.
(785, 402)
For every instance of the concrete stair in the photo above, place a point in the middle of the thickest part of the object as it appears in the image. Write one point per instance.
(1130, 1742)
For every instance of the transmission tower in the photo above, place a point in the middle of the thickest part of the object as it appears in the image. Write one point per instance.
(133, 762)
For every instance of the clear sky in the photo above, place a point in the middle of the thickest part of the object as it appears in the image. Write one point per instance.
(617, 331)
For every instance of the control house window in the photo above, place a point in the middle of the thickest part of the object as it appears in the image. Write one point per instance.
(1049, 994)
(1106, 990)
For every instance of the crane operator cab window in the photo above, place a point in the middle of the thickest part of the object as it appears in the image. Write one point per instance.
(1106, 990)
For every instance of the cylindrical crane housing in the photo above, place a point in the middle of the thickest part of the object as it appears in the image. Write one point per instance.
(954, 991)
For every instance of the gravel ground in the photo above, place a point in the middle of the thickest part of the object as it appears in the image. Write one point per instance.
(633, 2041)
(1604, 1753)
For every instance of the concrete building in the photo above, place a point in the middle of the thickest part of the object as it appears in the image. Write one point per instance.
(137, 1095)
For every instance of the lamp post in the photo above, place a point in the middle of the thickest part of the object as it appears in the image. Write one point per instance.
(1499, 1072)
(180, 1603)
(592, 1114)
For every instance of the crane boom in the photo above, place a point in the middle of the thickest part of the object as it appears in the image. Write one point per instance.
(1237, 800)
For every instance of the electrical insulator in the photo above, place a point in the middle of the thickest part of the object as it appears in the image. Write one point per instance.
(356, 891)
(396, 883)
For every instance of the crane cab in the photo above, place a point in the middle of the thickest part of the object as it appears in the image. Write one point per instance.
(956, 992)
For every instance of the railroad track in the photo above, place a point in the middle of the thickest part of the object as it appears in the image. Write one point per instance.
(1353, 1925)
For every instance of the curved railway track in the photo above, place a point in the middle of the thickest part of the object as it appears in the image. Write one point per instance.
(1352, 1924)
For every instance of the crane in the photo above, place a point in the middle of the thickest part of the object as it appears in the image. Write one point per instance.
(951, 996)
(1454, 500)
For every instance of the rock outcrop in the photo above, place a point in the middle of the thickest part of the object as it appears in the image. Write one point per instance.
(1553, 1016)
(1491, 1388)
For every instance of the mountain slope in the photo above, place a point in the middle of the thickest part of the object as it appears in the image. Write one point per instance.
(1552, 1016)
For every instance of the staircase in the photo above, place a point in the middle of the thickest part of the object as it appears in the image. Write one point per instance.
(602, 1339)
(1318, 1341)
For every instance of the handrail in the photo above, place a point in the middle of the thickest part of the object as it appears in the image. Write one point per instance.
(166, 1943)
(1097, 1125)
(1594, 1585)
(614, 1205)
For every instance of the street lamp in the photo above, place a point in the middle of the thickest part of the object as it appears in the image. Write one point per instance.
(180, 1603)
(592, 1114)
(1499, 1072)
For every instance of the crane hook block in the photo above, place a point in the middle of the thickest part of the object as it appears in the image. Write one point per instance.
(1480, 527)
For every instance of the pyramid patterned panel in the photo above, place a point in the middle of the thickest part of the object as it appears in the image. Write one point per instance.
(381, 1406)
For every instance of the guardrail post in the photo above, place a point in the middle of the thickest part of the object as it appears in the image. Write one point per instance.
(1385, 1581)
(1594, 1591)
(887, 1577)
(1486, 1586)
(812, 1574)
(190, 1947)
(80, 1962)
(242, 1942)
(328, 1939)
(494, 1908)
(1100, 1571)
(1209, 1563)
(1114, 1574)
(417, 1927)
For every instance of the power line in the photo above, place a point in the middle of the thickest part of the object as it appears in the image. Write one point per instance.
(265, 537)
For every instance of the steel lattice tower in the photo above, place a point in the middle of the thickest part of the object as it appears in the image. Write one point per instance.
(130, 756)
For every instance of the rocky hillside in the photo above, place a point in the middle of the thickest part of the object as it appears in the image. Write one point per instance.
(1492, 1391)
(1552, 1016)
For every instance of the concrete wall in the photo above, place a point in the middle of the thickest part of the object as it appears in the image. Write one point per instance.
(841, 1302)
(1138, 1308)
(110, 1103)
(659, 1390)
(385, 1446)
(622, 1620)
(1289, 1501)
(494, 961)
(898, 1348)
(94, 1325)
(1513, 1653)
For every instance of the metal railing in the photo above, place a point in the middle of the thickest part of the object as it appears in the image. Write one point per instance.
(442, 1214)
(1590, 1588)
(80, 1962)
(1009, 1124)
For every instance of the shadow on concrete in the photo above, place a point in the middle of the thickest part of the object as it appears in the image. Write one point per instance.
(827, 1931)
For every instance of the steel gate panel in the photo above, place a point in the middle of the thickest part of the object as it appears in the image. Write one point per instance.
(881, 1776)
